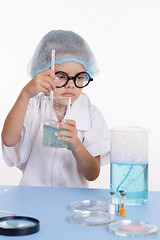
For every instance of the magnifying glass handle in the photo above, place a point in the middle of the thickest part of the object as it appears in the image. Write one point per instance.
(8, 212)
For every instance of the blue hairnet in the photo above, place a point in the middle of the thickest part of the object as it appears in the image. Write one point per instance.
(68, 46)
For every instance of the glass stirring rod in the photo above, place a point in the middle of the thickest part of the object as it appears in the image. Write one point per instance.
(51, 92)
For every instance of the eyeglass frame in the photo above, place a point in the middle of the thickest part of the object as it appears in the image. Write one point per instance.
(74, 79)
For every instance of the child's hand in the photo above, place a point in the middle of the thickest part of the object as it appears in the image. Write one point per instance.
(88, 165)
(43, 82)
(69, 134)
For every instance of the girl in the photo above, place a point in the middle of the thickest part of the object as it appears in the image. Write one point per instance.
(85, 131)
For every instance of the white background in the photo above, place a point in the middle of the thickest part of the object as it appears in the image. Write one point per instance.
(125, 38)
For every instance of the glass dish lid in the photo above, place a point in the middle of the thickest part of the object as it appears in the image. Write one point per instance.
(89, 205)
(91, 218)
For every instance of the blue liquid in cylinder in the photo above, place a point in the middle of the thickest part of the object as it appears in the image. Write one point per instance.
(50, 139)
(133, 179)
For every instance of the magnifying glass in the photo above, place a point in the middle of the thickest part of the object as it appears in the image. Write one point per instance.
(18, 225)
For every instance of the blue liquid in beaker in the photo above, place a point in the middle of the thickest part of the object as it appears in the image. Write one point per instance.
(133, 179)
(50, 139)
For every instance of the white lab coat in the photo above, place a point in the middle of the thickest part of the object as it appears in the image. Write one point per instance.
(42, 166)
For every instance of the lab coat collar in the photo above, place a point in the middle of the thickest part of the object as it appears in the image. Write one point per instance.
(80, 112)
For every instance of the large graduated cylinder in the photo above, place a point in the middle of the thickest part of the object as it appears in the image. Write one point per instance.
(129, 164)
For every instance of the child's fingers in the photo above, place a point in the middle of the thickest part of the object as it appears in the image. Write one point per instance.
(68, 127)
(44, 90)
(64, 134)
(47, 82)
(54, 83)
(69, 122)
(66, 139)
(49, 72)
(50, 76)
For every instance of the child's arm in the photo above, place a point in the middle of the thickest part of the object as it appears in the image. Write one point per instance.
(42, 82)
(88, 165)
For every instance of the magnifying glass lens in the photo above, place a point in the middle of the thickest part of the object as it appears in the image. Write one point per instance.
(18, 226)
(16, 223)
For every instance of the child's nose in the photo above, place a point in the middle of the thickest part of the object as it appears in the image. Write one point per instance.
(70, 83)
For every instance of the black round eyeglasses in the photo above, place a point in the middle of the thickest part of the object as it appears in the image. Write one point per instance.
(81, 79)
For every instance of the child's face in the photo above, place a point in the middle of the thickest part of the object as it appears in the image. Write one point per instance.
(70, 90)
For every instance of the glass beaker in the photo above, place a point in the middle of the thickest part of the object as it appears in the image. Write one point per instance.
(129, 164)
(54, 110)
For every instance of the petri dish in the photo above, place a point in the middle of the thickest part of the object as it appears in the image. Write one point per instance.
(18, 225)
(91, 218)
(129, 228)
(89, 205)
